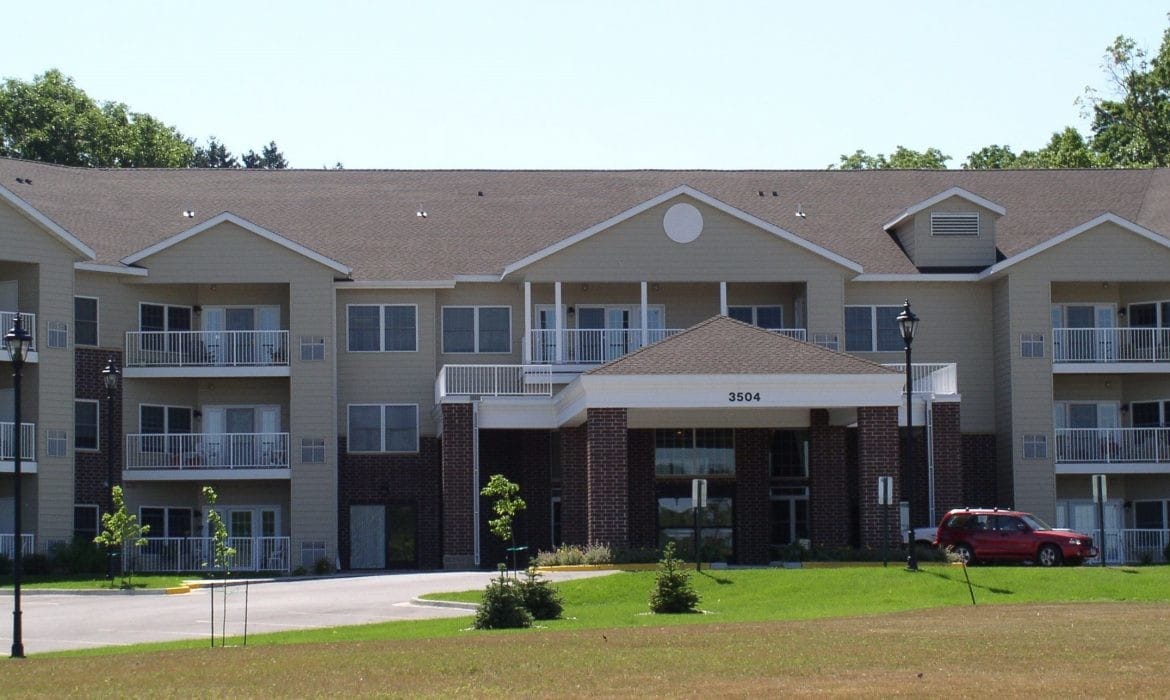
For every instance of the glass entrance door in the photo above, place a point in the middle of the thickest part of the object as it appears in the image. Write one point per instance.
(402, 536)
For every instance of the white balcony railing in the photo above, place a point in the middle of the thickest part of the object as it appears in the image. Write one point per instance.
(28, 441)
(174, 554)
(1111, 345)
(206, 348)
(939, 378)
(28, 322)
(8, 544)
(1109, 445)
(207, 451)
(493, 380)
(595, 345)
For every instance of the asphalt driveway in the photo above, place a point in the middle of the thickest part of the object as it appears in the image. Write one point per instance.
(56, 621)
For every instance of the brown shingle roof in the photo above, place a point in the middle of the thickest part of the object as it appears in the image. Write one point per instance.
(721, 345)
(367, 219)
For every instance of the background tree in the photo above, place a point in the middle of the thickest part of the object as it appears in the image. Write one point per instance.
(270, 158)
(902, 158)
(214, 155)
(120, 530)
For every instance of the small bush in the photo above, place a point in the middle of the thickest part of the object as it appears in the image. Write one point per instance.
(672, 586)
(575, 555)
(598, 554)
(540, 598)
(35, 565)
(1166, 554)
(5, 565)
(322, 567)
(502, 606)
(637, 555)
(80, 556)
(300, 571)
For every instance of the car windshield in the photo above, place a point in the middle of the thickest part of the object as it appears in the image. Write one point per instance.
(1034, 522)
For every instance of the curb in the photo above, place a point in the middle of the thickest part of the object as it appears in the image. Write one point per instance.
(7, 592)
(455, 605)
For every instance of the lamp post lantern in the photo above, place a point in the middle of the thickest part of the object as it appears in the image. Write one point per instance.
(110, 380)
(17, 341)
(907, 325)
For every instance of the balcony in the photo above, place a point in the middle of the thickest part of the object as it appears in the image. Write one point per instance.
(493, 380)
(8, 544)
(593, 346)
(206, 353)
(180, 554)
(1111, 349)
(29, 322)
(930, 378)
(28, 447)
(195, 456)
(1132, 450)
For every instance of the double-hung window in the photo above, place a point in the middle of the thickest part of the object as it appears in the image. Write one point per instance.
(85, 320)
(872, 328)
(477, 329)
(770, 317)
(85, 424)
(383, 428)
(383, 327)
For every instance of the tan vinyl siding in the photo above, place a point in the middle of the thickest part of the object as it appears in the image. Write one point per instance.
(487, 294)
(1003, 349)
(927, 250)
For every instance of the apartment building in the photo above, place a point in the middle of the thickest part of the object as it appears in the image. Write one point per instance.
(347, 356)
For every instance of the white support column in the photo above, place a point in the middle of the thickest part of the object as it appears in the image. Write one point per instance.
(527, 343)
(645, 317)
(723, 298)
(559, 340)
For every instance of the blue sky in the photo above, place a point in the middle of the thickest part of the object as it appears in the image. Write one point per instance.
(597, 84)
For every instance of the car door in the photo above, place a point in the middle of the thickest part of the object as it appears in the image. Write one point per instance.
(982, 538)
(1016, 538)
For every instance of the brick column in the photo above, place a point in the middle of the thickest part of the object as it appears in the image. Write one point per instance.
(458, 489)
(878, 455)
(574, 529)
(643, 506)
(828, 492)
(606, 477)
(948, 458)
(752, 499)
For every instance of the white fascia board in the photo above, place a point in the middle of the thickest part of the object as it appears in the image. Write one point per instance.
(1107, 217)
(72, 242)
(111, 269)
(394, 284)
(478, 278)
(918, 277)
(694, 194)
(517, 413)
(952, 192)
(228, 217)
(1062, 469)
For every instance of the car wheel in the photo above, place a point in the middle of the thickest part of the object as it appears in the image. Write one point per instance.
(1049, 555)
(964, 553)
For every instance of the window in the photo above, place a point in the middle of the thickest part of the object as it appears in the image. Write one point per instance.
(477, 329)
(162, 421)
(383, 428)
(312, 450)
(954, 224)
(870, 328)
(1035, 447)
(694, 452)
(1150, 414)
(676, 522)
(58, 335)
(56, 443)
(789, 454)
(166, 522)
(85, 424)
(164, 317)
(770, 317)
(85, 522)
(1150, 515)
(312, 348)
(85, 320)
(1032, 345)
(383, 328)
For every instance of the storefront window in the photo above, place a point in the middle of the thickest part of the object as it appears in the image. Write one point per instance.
(676, 523)
(694, 452)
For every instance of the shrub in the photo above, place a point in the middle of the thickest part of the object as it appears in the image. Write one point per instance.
(574, 555)
(672, 586)
(35, 565)
(322, 567)
(5, 565)
(598, 554)
(1166, 554)
(80, 556)
(502, 606)
(540, 598)
(637, 555)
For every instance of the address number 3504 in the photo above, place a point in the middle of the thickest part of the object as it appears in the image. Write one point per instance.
(743, 396)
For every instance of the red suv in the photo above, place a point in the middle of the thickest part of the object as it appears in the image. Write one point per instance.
(987, 534)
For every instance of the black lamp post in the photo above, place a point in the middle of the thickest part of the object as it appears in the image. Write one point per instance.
(908, 324)
(110, 379)
(18, 342)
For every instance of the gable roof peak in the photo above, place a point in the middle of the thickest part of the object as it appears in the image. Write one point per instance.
(942, 196)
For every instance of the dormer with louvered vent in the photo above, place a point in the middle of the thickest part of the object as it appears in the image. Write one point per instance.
(952, 230)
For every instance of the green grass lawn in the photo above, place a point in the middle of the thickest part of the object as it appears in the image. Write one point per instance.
(90, 581)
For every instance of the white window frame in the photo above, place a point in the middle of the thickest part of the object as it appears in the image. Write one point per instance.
(1028, 344)
(1162, 321)
(167, 520)
(873, 328)
(1034, 446)
(97, 321)
(381, 327)
(475, 329)
(755, 309)
(315, 345)
(166, 416)
(97, 425)
(97, 516)
(381, 428)
(310, 448)
(166, 314)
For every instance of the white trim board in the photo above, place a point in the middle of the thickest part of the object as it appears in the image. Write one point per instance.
(942, 196)
(1107, 217)
(72, 242)
(112, 269)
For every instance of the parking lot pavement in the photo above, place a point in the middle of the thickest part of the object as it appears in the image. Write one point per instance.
(73, 621)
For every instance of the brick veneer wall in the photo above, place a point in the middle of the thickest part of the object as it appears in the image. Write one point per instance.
(752, 497)
(89, 468)
(979, 470)
(607, 482)
(458, 500)
(574, 525)
(948, 458)
(525, 458)
(878, 455)
(828, 495)
(376, 479)
(643, 506)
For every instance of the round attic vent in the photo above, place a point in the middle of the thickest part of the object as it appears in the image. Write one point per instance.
(683, 223)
